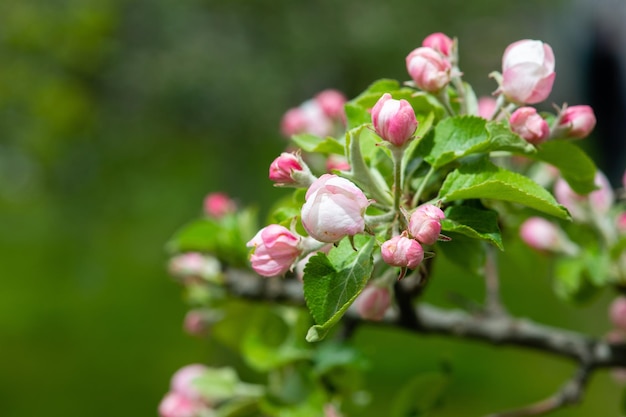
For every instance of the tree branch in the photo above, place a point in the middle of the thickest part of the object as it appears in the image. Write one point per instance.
(495, 329)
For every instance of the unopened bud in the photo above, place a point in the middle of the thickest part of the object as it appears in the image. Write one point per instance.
(402, 251)
(425, 223)
(528, 124)
(373, 302)
(394, 120)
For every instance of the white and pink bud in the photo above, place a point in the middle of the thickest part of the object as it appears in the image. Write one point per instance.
(332, 102)
(373, 302)
(486, 107)
(175, 404)
(183, 380)
(308, 117)
(275, 249)
(577, 122)
(194, 265)
(402, 251)
(334, 208)
(218, 205)
(528, 124)
(289, 169)
(394, 120)
(196, 322)
(293, 122)
(527, 71)
(440, 42)
(429, 70)
(581, 207)
(542, 235)
(425, 223)
(617, 312)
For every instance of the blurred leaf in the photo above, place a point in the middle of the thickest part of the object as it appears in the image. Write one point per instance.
(474, 223)
(420, 396)
(312, 143)
(482, 179)
(293, 393)
(464, 251)
(217, 383)
(572, 282)
(332, 282)
(274, 338)
(574, 164)
(225, 238)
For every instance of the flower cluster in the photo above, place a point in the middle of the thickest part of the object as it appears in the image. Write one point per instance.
(184, 399)
(322, 115)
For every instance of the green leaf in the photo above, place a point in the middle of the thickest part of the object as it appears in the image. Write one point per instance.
(482, 179)
(425, 124)
(420, 396)
(464, 252)
(575, 166)
(332, 282)
(312, 143)
(473, 222)
(460, 136)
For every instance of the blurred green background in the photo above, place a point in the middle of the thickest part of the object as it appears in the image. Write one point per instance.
(118, 117)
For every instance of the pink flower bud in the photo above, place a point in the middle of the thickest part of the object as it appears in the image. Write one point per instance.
(373, 302)
(425, 223)
(331, 102)
(439, 42)
(283, 167)
(218, 205)
(293, 122)
(196, 322)
(175, 404)
(527, 71)
(540, 234)
(597, 202)
(429, 69)
(394, 120)
(183, 380)
(334, 208)
(402, 251)
(336, 162)
(486, 107)
(527, 123)
(617, 312)
(578, 121)
(275, 250)
(194, 265)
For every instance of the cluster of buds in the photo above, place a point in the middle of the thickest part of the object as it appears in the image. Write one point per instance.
(432, 66)
(322, 115)
(183, 399)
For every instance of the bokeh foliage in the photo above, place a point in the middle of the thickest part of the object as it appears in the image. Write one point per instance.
(117, 117)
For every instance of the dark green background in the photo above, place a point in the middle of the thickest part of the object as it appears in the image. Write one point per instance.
(117, 117)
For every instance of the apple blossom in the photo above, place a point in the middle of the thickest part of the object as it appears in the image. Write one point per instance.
(429, 69)
(331, 102)
(373, 302)
(486, 107)
(425, 223)
(440, 42)
(402, 251)
(275, 250)
(394, 120)
(192, 265)
(540, 234)
(597, 202)
(527, 123)
(175, 404)
(218, 205)
(527, 71)
(334, 208)
(183, 380)
(288, 169)
(577, 121)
